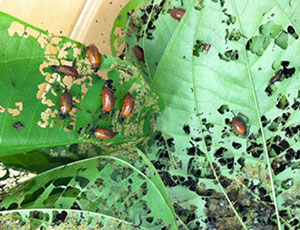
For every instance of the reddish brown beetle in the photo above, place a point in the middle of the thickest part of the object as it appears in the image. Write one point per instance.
(94, 57)
(127, 107)
(102, 133)
(276, 77)
(239, 126)
(108, 100)
(138, 52)
(68, 70)
(206, 47)
(177, 13)
(66, 105)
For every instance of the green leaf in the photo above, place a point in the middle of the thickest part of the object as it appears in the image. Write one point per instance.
(35, 161)
(149, 26)
(118, 36)
(127, 33)
(41, 160)
(242, 181)
(30, 93)
(60, 219)
(123, 188)
(164, 26)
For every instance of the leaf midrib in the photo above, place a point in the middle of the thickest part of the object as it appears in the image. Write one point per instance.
(258, 115)
(284, 13)
(202, 134)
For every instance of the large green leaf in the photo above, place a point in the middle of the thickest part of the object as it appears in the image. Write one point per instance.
(215, 177)
(30, 92)
(121, 189)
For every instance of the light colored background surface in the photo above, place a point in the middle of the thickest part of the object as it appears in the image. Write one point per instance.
(86, 21)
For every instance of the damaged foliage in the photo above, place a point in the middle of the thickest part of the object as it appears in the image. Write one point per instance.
(34, 91)
(120, 191)
(216, 178)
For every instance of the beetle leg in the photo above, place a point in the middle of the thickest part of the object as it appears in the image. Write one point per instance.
(240, 115)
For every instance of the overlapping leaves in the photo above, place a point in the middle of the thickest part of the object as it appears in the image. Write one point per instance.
(31, 91)
(120, 191)
(216, 178)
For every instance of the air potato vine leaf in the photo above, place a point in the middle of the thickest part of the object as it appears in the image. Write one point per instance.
(30, 92)
(120, 189)
(216, 178)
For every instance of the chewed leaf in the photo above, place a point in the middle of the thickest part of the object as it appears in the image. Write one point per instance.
(61, 219)
(160, 29)
(31, 91)
(118, 35)
(226, 173)
(150, 27)
(123, 188)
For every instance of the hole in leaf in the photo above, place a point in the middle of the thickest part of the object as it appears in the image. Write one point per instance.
(60, 217)
(219, 152)
(13, 206)
(236, 145)
(167, 179)
(229, 55)
(223, 109)
(292, 32)
(259, 43)
(62, 181)
(82, 181)
(30, 198)
(282, 103)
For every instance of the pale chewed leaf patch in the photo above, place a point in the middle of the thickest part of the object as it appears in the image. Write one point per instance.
(86, 90)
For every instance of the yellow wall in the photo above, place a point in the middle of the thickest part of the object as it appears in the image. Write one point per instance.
(87, 21)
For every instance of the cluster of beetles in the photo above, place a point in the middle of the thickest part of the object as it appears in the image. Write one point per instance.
(108, 99)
